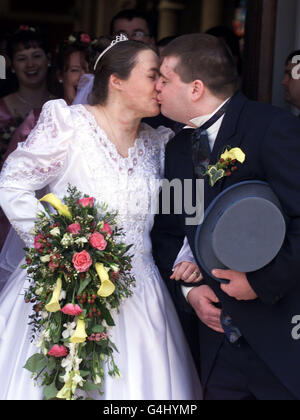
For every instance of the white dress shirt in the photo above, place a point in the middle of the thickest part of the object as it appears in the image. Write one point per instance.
(185, 253)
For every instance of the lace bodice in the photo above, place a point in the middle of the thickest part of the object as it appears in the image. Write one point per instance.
(68, 147)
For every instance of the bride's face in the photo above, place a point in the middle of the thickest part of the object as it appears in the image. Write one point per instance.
(139, 91)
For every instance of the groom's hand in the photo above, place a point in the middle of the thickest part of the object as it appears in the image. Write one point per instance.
(187, 271)
(238, 287)
(202, 300)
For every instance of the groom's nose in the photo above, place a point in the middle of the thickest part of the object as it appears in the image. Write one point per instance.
(158, 85)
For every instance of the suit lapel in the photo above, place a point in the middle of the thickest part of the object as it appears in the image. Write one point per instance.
(227, 136)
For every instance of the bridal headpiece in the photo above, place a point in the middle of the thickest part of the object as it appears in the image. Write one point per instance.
(119, 38)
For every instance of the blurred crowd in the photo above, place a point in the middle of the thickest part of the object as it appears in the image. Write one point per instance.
(35, 75)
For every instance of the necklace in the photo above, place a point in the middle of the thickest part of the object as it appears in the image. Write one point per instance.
(22, 99)
(116, 143)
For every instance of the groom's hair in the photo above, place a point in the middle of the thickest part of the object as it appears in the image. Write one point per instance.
(207, 58)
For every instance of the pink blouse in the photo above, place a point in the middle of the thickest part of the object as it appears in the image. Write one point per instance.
(5, 115)
(21, 133)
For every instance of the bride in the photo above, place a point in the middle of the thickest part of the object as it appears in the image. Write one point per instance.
(105, 152)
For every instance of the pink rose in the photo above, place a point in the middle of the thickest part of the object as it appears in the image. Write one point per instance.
(37, 242)
(98, 337)
(74, 228)
(82, 261)
(71, 309)
(53, 265)
(85, 38)
(58, 351)
(106, 229)
(54, 262)
(97, 241)
(86, 201)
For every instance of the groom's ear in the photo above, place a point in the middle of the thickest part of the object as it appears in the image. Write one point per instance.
(197, 90)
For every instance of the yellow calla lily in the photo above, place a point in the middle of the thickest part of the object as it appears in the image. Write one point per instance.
(53, 305)
(79, 335)
(65, 392)
(234, 154)
(55, 202)
(107, 287)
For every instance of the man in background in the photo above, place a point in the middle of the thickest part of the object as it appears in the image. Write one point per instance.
(134, 24)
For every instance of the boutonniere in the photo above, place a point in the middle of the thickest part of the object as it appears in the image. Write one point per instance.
(226, 165)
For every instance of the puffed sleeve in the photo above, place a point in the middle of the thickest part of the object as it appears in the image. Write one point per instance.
(35, 164)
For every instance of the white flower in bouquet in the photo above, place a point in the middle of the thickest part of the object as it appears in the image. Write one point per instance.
(44, 314)
(33, 231)
(39, 291)
(97, 380)
(67, 240)
(81, 241)
(77, 380)
(45, 258)
(40, 343)
(62, 295)
(69, 331)
(55, 231)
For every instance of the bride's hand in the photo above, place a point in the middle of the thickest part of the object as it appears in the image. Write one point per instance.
(188, 272)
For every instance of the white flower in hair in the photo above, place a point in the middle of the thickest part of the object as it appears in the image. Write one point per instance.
(119, 38)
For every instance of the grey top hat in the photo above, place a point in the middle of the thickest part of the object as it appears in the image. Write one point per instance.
(243, 229)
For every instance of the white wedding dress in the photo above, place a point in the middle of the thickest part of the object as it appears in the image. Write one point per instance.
(68, 146)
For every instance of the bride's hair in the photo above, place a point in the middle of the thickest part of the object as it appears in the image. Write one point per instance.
(119, 60)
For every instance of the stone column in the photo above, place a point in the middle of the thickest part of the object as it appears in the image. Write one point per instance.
(4, 7)
(212, 14)
(167, 23)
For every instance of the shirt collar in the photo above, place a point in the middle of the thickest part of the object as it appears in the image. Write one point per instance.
(198, 121)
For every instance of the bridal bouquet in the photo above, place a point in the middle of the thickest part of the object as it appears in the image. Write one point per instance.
(79, 274)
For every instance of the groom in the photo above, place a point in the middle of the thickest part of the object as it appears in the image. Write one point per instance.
(247, 348)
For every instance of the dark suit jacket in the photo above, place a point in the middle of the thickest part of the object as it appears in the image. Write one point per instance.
(270, 138)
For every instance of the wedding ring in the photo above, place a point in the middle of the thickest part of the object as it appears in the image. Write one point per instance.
(196, 273)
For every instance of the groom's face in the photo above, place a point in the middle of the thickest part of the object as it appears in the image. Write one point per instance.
(173, 93)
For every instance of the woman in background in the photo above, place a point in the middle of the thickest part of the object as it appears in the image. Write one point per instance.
(29, 54)
(71, 62)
